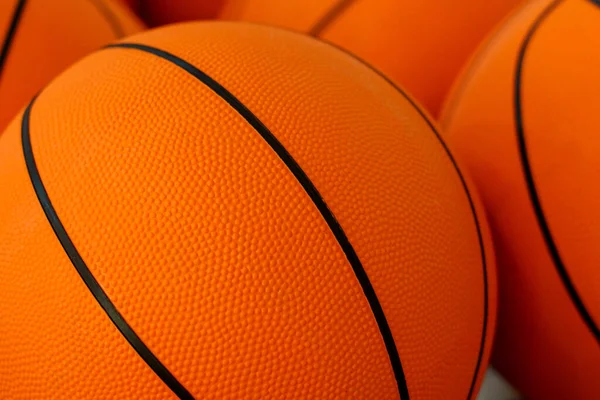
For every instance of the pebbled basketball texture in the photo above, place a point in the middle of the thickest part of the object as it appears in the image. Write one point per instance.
(421, 45)
(269, 216)
(524, 121)
(40, 38)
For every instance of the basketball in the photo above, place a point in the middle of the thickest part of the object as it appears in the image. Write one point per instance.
(218, 210)
(421, 45)
(524, 121)
(40, 38)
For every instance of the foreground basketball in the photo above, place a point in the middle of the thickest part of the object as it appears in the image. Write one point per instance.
(230, 211)
(40, 38)
(419, 44)
(525, 122)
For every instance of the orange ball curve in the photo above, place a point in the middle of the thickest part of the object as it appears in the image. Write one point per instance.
(40, 38)
(524, 121)
(421, 45)
(221, 210)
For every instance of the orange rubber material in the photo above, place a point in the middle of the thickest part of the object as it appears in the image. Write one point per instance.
(48, 37)
(545, 230)
(214, 252)
(421, 45)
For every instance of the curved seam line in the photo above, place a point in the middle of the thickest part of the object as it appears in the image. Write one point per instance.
(84, 272)
(438, 136)
(482, 344)
(10, 33)
(329, 17)
(428, 121)
(529, 181)
(310, 189)
(110, 17)
(465, 76)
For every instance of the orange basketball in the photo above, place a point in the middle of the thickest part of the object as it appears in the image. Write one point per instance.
(40, 38)
(525, 121)
(420, 44)
(221, 210)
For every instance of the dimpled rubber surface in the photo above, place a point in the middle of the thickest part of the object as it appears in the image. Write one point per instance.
(543, 346)
(215, 254)
(381, 170)
(55, 340)
(50, 36)
(235, 280)
(421, 45)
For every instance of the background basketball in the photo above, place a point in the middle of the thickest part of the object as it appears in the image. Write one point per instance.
(524, 120)
(40, 38)
(291, 229)
(419, 44)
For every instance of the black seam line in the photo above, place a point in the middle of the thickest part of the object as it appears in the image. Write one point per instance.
(10, 34)
(480, 54)
(469, 197)
(110, 17)
(596, 2)
(528, 175)
(86, 275)
(482, 343)
(329, 17)
(310, 189)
